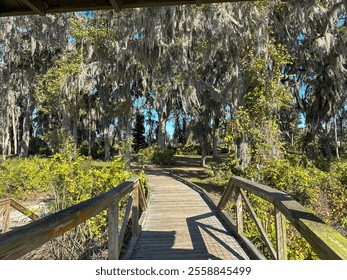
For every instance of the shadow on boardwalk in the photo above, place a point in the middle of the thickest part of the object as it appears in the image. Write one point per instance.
(182, 225)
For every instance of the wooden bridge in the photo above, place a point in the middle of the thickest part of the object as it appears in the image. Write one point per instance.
(179, 220)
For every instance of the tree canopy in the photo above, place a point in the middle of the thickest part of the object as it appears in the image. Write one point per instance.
(261, 78)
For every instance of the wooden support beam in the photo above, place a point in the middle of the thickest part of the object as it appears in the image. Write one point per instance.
(113, 243)
(281, 236)
(226, 195)
(116, 4)
(27, 212)
(239, 211)
(143, 200)
(135, 212)
(6, 218)
(33, 6)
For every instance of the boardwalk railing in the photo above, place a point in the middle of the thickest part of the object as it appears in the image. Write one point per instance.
(325, 241)
(22, 240)
(5, 209)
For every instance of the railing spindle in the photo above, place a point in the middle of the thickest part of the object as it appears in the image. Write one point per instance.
(281, 236)
(135, 210)
(239, 210)
(6, 217)
(259, 225)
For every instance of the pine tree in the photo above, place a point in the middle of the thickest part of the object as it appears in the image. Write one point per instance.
(138, 132)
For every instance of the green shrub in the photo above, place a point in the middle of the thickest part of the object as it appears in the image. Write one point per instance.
(19, 177)
(192, 150)
(300, 183)
(339, 170)
(164, 157)
(75, 178)
(145, 156)
(152, 155)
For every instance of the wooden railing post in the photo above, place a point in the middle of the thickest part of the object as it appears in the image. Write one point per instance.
(239, 210)
(135, 210)
(113, 243)
(281, 236)
(6, 217)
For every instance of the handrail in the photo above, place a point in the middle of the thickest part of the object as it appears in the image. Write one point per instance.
(326, 241)
(22, 240)
(6, 204)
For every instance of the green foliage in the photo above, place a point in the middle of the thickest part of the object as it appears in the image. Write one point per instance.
(222, 172)
(75, 178)
(300, 183)
(145, 156)
(192, 150)
(164, 157)
(19, 177)
(152, 155)
(59, 99)
(256, 122)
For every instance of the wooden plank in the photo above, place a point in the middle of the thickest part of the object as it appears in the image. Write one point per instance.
(75, 6)
(22, 240)
(113, 242)
(281, 236)
(143, 200)
(35, 7)
(116, 4)
(182, 224)
(260, 190)
(21, 208)
(198, 189)
(135, 212)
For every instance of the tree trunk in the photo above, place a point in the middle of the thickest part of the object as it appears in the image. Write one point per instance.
(90, 140)
(337, 144)
(107, 151)
(204, 150)
(6, 144)
(128, 127)
(24, 147)
(161, 130)
(203, 155)
(75, 131)
(241, 147)
(14, 131)
(128, 137)
(325, 140)
(215, 146)
(215, 137)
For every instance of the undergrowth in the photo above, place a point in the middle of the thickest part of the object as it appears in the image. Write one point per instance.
(70, 178)
(324, 192)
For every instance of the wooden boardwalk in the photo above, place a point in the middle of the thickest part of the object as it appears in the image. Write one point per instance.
(181, 225)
